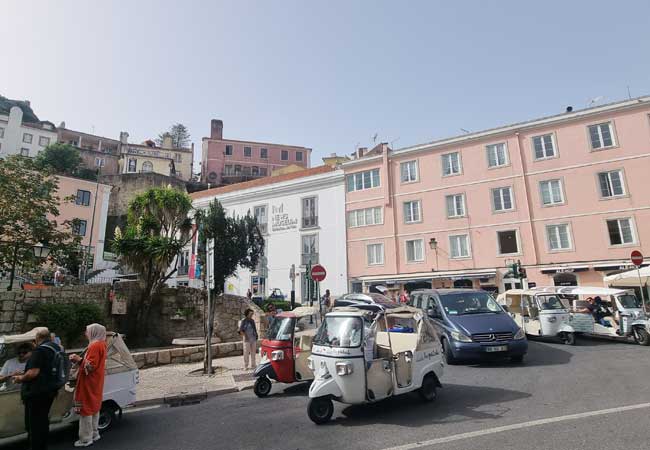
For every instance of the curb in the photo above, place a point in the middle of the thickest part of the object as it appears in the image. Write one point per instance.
(179, 397)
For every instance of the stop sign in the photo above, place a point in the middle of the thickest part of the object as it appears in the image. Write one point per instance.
(637, 258)
(318, 273)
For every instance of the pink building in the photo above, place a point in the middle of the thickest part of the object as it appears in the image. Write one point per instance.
(227, 161)
(567, 195)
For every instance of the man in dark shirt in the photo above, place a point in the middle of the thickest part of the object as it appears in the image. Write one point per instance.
(36, 390)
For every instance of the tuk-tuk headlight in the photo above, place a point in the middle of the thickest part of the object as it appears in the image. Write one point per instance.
(521, 334)
(344, 368)
(310, 364)
(460, 337)
(277, 355)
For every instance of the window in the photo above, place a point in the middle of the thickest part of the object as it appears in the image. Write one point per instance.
(147, 166)
(455, 205)
(363, 180)
(298, 156)
(228, 150)
(2, 132)
(237, 169)
(179, 157)
(459, 246)
(451, 164)
(264, 153)
(256, 171)
(246, 170)
(551, 191)
(409, 171)
(508, 243)
(263, 172)
(502, 199)
(227, 169)
(497, 155)
(412, 212)
(79, 227)
(558, 237)
(100, 162)
(620, 231)
(611, 183)
(27, 138)
(544, 146)
(375, 254)
(262, 219)
(43, 141)
(309, 249)
(285, 155)
(82, 197)
(309, 212)
(24, 152)
(601, 135)
(248, 152)
(365, 217)
(132, 165)
(415, 250)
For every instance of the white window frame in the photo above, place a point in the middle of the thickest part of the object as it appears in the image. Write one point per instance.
(100, 162)
(544, 149)
(380, 246)
(518, 241)
(612, 133)
(412, 211)
(355, 214)
(361, 175)
(569, 237)
(42, 139)
(282, 153)
(24, 151)
(501, 198)
(26, 140)
(464, 206)
(412, 171)
(135, 165)
(265, 153)
(618, 223)
(228, 150)
(303, 210)
(496, 147)
(460, 164)
(451, 245)
(610, 184)
(541, 192)
(149, 165)
(263, 225)
(250, 151)
(406, 251)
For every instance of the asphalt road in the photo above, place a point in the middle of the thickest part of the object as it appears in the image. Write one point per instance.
(594, 396)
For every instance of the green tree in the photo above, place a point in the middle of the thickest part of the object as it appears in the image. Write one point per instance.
(238, 243)
(28, 206)
(180, 136)
(59, 158)
(158, 228)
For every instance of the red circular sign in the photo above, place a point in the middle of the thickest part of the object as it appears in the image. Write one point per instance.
(318, 272)
(637, 258)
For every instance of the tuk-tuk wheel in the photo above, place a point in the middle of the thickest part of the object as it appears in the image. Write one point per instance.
(262, 387)
(320, 410)
(569, 338)
(641, 336)
(428, 389)
(106, 418)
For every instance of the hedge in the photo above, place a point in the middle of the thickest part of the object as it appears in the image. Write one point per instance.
(68, 321)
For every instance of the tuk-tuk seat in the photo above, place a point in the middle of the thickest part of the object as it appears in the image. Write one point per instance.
(305, 342)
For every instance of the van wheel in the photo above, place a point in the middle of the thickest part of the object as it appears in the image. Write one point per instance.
(106, 418)
(262, 387)
(641, 336)
(428, 391)
(568, 338)
(320, 410)
(449, 356)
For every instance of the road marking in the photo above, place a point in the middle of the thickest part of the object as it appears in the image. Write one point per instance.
(517, 426)
(141, 408)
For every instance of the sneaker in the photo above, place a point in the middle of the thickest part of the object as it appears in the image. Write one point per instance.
(96, 437)
(83, 444)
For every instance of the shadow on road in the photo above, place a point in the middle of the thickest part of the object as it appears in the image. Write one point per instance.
(455, 403)
(300, 389)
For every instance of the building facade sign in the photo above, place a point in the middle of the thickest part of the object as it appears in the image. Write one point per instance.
(281, 221)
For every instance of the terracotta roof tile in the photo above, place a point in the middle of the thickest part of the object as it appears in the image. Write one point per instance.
(262, 182)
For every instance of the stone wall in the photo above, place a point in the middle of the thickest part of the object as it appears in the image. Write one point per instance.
(185, 354)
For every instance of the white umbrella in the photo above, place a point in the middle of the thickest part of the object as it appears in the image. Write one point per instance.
(629, 278)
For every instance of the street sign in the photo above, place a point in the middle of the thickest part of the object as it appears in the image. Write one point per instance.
(209, 259)
(292, 272)
(637, 258)
(318, 273)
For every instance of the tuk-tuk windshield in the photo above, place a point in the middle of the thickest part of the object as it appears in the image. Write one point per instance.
(549, 302)
(629, 301)
(463, 303)
(282, 329)
(345, 332)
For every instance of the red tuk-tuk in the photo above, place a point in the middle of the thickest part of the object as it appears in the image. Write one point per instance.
(285, 350)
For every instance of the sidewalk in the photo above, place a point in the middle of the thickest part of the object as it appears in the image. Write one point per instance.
(176, 384)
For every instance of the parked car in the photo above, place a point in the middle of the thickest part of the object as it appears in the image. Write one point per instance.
(276, 294)
(471, 324)
(370, 301)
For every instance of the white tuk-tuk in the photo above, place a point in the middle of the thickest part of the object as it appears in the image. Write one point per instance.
(361, 357)
(119, 388)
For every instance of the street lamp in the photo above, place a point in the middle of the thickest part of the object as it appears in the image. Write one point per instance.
(41, 251)
(433, 243)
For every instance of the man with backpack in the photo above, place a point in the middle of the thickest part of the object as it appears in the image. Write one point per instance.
(45, 373)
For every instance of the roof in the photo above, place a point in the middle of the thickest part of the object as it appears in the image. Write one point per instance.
(208, 138)
(28, 114)
(82, 133)
(188, 150)
(262, 182)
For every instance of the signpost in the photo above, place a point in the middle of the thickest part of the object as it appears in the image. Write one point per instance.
(292, 277)
(637, 260)
(209, 276)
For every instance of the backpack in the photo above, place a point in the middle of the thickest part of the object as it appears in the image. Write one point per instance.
(59, 368)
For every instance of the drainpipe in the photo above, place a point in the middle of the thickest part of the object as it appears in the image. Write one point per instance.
(388, 202)
(528, 199)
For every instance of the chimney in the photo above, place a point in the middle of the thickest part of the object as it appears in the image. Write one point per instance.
(216, 129)
(569, 109)
(167, 142)
(361, 151)
(124, 137)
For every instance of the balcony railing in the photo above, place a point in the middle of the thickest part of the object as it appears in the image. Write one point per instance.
(309, 258)
(238, 177)
(310, 222)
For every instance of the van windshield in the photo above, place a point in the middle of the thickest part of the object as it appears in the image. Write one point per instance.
(464, 303)
(629, 301)
(345, 332)
(549, 302)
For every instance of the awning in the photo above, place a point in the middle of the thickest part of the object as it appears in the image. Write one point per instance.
(623, 265)
(426, 276)
(567, 268)
(629, 278)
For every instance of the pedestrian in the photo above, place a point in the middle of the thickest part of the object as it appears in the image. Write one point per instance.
(249, 295)
(248, 332)
(404, 298)
(326, 301)
(57, 277)
(37, 390)
(15, 366)
(270, 315)
(90, 384)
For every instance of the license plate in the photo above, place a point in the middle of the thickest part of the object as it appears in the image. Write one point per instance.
(497, 348)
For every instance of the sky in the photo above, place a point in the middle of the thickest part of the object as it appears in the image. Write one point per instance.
(328, 75)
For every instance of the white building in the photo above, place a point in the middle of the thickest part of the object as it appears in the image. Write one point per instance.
(302, 215)
(24, 137)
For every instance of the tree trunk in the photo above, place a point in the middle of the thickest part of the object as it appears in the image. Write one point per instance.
(14, 261)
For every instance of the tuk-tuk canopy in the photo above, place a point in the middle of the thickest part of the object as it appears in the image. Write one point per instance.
(19, 338)
(118, 356)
